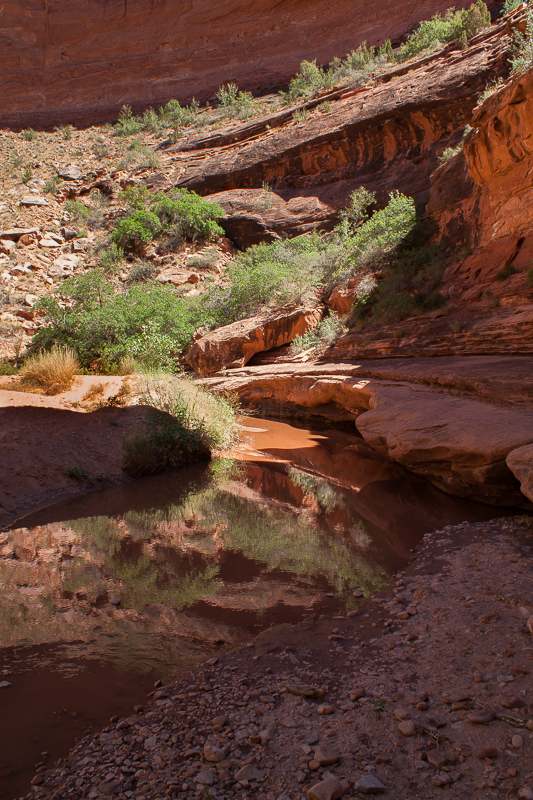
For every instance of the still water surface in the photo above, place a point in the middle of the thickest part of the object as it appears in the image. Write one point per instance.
(104, 593)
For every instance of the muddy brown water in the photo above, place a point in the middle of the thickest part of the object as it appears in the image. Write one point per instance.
(105, 593)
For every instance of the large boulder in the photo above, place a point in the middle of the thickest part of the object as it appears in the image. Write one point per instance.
(234, 345)
(260, 215)
(520, 462)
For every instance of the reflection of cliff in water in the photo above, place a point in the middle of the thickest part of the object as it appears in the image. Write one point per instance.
(382, 493)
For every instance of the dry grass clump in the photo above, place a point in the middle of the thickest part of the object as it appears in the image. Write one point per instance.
(50, 372)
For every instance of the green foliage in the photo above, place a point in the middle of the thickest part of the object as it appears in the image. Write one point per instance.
(454, 26)
(77, 473)
(66, 133)
(273, 275)
(78, 211)
(29, 135)
(509, 6)
(178, 215)
(111, 259)
(139, 156)
(27, 174)
(235, 103)
(450, 152)
(104, 327)
(136, 230)
(357, 210)
(156, 121)
(506, 272)
(321, 336)
(311, 80)
(385, 229)
(6, 368)
(188, 215)
(522, 58)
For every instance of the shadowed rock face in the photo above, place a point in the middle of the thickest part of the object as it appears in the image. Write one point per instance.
(385, 137)
(63, 61)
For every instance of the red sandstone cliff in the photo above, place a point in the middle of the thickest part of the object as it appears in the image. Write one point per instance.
(69, 61)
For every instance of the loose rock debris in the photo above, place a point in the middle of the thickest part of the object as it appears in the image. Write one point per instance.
(429, 692)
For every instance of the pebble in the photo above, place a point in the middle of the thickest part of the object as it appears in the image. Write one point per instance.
(325, 755)
(328, 789)
(517, 742)
(4, 684)
(437, 758)
(248, 773)
(525, 793)
(481, 717)
(487, 752)
(407, 728)
(369, 784)
(212, 753)
(325, 708)
(513, 702)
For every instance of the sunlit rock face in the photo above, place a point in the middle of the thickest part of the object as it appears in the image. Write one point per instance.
(65, 61)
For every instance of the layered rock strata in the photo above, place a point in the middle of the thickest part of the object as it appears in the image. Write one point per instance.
(64, 62)
(415, 415)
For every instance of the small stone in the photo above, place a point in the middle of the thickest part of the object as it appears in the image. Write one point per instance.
(517, 741)
(437, 758)
(115, 601)
(482, 717)
(487, 752)
(401, 713)
(407, 728)
(325, 755)
(4, 684)
(328, 789)
(325, 708)
(37, 779)
(71, 173)
(513, 702)
(288, 722)
(205, 777)
(402, 615)
(357, 693)
(442, 779)
(530, 625)
(369, 784)
(213, 753)
(49, 242)
(110, 787)
(33, 200)
(248, 773)
(220, 721)
(212, 661)
(525, 793)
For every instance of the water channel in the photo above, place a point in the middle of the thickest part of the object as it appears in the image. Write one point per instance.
(105, 593)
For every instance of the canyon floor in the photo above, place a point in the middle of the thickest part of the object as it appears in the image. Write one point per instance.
(424, 691)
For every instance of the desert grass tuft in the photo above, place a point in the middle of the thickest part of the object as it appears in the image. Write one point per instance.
(50, 372)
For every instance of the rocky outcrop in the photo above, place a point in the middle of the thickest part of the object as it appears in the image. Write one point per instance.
(485, 193)
(520, 462)
(63, 63)
(415, 412)
(384, 136)
(235, 344)
(260, 215)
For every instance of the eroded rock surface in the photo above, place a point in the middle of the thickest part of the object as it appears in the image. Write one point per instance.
(413, 411)
(56, 58)
(235, 344)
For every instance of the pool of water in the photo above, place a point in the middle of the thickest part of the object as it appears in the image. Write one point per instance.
(105, 593)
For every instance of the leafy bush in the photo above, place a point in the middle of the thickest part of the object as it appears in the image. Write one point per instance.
(50, 373)
(454, 26)
(189, 215)
(385, 229)
(104, 327)
(136, 230)
(509, 6)
(321, 336)
(186, 425)
(359, 63)
(309, 81)
(234, 102)
(29, 135)
(522, 58)
(157, 121)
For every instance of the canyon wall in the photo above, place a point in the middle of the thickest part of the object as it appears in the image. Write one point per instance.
(66, 61)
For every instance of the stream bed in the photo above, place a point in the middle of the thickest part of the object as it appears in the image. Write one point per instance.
(105, 593)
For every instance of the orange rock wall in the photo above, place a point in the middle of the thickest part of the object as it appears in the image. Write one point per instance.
(81, 60)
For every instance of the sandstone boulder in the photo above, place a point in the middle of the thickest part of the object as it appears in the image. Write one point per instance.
(235, 344)
(260, 215)
(520, 462)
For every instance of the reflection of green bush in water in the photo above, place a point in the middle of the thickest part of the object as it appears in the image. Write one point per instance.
(323, 492)
(147, 577)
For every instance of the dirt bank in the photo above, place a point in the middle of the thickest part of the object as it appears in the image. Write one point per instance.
(428, 685)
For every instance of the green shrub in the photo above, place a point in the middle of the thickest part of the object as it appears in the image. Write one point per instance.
(234, 102)
(455, 26)
(104, 327)
(111, 259)
(136, 230)
(29, 135)
(127, 124)
(522, 57)
(321, 336)
(385, 229)
(187, 423)
(450, 152)
(509, 6)
(189, 215)
(310, 80)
